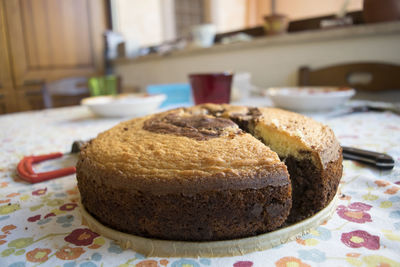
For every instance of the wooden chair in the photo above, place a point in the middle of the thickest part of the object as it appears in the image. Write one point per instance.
(364, 76)
(65, 92)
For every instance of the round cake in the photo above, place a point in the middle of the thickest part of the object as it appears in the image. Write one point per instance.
(209, 172)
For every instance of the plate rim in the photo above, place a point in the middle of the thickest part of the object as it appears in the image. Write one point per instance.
(152, 97)
(274, 92)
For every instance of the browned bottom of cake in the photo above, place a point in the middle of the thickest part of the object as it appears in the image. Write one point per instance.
(218, 215)
(313, 189)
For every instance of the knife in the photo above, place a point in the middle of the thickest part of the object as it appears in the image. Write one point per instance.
(392, 108)
(347, 110)
(379, 160)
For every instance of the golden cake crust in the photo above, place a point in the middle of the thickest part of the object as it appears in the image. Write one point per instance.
(153, 161)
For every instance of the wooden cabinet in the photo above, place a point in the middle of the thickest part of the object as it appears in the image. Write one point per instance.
(5, 72)
(51, 39)
(7, 102)
(7, 97)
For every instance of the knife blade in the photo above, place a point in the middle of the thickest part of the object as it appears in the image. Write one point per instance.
(392, 108)
(351, 109)
(379, 160)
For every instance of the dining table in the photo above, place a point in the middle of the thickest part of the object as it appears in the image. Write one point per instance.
(41, 223)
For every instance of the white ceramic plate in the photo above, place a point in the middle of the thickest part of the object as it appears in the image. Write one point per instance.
(309, 98)
(124, 105)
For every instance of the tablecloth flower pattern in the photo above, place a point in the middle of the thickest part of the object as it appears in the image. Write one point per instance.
(40, 224)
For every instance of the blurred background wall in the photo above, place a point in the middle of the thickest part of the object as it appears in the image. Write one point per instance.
(151, 22)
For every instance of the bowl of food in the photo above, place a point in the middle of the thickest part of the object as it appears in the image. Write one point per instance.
(124, 105)
(310, 98)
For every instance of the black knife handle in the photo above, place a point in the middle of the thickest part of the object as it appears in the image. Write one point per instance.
(380, 160)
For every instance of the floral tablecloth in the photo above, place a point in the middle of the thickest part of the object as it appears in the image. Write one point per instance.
(40, 224)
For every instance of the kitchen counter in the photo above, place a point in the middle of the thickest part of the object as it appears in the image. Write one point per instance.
(272, 60)
(348, 32)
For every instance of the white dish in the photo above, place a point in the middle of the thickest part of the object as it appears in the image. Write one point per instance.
(309, 98)
(124, 105)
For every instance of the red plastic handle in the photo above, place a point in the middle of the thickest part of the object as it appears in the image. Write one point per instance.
(27, 173)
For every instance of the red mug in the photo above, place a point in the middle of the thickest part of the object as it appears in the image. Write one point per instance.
(211, 87)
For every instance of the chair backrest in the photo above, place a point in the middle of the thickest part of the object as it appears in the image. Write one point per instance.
(65, 92)
(363, 76)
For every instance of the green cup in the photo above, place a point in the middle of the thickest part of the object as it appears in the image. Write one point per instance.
(103, 85)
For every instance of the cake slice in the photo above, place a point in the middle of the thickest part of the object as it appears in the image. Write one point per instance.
(309, 149)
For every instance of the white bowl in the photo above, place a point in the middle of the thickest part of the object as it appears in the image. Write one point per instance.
(309, 98)
(124, 105)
